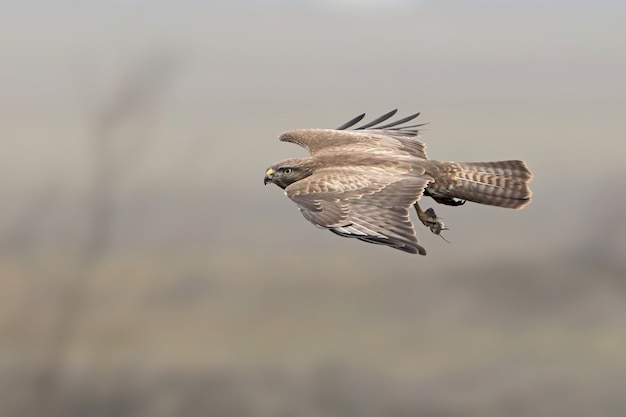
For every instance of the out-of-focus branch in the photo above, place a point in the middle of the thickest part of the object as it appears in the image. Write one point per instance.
(139, 88)
(138, 93)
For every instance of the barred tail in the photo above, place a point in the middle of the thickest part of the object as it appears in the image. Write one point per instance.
(502, 184)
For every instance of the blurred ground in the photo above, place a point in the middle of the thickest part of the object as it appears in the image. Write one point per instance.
(147, 272)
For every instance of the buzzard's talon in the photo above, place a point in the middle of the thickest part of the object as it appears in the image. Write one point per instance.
(434, 223)
(429, 219)
(448, 201)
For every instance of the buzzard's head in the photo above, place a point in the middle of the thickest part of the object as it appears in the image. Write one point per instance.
(287, 172)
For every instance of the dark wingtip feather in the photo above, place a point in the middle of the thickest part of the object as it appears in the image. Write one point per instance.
(409, 127)
(352, 122)
(395, 126)
(378, 120)
(399, 122)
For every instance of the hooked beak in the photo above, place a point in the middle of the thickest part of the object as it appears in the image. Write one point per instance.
(268, 176)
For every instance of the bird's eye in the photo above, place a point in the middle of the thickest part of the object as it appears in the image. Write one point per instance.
(287, 171)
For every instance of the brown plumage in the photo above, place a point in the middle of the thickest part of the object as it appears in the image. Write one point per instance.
(361, 183)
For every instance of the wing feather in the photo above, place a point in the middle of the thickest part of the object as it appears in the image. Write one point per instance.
(378, 120)
(352, 122)
(399, 122)
(366, 203)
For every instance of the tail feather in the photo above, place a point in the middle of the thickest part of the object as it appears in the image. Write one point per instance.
(502, 183)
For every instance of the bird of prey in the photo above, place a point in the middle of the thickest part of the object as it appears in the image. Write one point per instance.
(361, 183)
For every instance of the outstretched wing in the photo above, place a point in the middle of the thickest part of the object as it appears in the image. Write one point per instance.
(368, 203)
(394, 135)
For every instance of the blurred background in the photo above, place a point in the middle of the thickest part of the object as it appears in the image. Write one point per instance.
(146, 271)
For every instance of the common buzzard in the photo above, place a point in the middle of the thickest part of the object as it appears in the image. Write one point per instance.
(361, 183)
